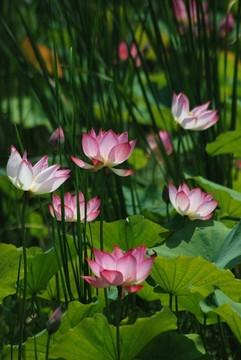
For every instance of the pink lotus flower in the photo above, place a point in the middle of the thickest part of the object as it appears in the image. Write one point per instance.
(120, 269)
(123, 53)
(192, 203)
(153, 143)
(198, 118)
(38, 179)
(181, 15)
(56, 138)
(106, 149)
(70, 208)
(226, 25)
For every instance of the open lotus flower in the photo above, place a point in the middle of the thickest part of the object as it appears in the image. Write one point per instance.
(193, 203)
(153, 143)
(120, 269)
(106, 149)
(197, 119)
(70, 208)
(38, 179)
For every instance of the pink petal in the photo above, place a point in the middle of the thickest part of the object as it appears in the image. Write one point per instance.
(119, 153)
(206, 208)
(133, 288)
(180, 106)
(40, 165)
(122, 172)
(172, 194)
(108, 261)
(48, 186)
(14, 162)
(117, 253)
(25, 175)
(56, 201)
(127, 267)
(93, 205)
(189, 122)
(143, 269)
(90, 146)
(139, 253)
(98, 255)
(98, 283)
(96, 268)
(82, 164)
(123, 138)
(200, 109)
(196, 198)
(46, 174)
(207, 119)
(108, 141)
(92, 216)
(182, 203)
(68, 214)
(113, 277)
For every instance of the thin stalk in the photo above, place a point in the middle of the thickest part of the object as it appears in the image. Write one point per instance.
(118, 316)
(47, 347)
(222, 338)
(25, 269)
(176, 311)
(170, 301)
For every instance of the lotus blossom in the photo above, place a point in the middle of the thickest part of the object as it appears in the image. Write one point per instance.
(38, 179)
(70, 208)
(198, 118)
(181, 15)
(120, 269)
(153, 143)
(106, 149)
(123, 52)
(192, 203)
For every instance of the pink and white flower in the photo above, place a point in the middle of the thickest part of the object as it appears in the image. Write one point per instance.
(153, 143)
(192, 203)
(70, 208)
(38, 179)
(120, 269)
(106, 149)
(198, 118)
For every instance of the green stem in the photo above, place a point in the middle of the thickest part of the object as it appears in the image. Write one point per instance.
(102, 210)
(47, 347)
(25, 269)
(222, 337)
(118, 316)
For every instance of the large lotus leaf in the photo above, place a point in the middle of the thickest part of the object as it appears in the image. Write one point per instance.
(95, 339)
(210, 239)
(195, 238)
(229, 200)
(226, 308)
(184, 275)
(172, 346)
(126, 234)
(226, 143)
(75, 314)
(9, 267)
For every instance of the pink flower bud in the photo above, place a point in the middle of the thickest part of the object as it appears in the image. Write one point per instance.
(56, 138)
(54, 321)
